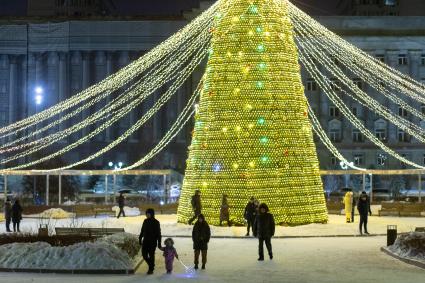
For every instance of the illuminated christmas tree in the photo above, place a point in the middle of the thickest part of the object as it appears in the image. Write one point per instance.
(252, 135)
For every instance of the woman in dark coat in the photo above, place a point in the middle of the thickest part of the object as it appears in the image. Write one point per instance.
(263, 229)
(201, 234)
(16, 215)
(363, 206)
(249, 214)
(8, 214)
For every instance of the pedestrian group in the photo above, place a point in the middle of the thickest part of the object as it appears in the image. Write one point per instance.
(257, 216)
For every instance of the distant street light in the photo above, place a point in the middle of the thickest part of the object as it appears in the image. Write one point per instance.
(38, 95)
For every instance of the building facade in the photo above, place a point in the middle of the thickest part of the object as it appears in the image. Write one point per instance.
(65, 58)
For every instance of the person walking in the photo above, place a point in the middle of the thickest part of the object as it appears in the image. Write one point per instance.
(263, 229)
(224, 210)
(150, 238)
(249, 214)
(169, 254)
(16, 216)
(201, 234)
(363, 206)
(121, 203)
(8, 214)
(348, 203)
(196, 205)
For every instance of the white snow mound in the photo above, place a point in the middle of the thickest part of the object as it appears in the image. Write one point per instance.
(56, 213)
(129, 211)
(411, 245)
(81, 256)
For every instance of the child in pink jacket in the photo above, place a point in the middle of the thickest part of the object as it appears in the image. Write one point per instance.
(169, 254)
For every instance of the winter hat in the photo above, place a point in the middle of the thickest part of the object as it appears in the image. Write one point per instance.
(201, 216)
(150, 211)
(169, 240)
(263, 205)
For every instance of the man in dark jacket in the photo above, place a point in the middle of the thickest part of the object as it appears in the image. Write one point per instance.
(201, 234)
(363, 206)
(196, 205)
(16, 215)
(249, 214)
(263, 229)
(8, 214)
(150, 238)
(121, 205)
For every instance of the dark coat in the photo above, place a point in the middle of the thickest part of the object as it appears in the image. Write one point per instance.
(16, 212)
(264, 225)
(150, 234)
(196, 204)
(121, 201)
(7, 210)
(363, 206)
(201, 234)
(250, 211)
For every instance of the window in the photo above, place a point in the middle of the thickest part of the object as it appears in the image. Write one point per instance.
(402, 59)
(354, 111)
(402, 112)
(358, 83)
(381, 159)
(335, 84)
(357, 136)
(334, 160)
(423, 59)
(333, 111)
(390, 2)
(358, 159)
(402, 136)
(380, 57)
(335, 135)
(381, 134)
(311, 85)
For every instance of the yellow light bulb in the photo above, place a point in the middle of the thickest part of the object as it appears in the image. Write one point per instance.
(250, 126)
(235, 165)
(251, 164)
(250, 32)
(224, 129)
(238, 128)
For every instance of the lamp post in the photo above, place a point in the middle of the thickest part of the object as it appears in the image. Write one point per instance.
(113, 166)
(344, 166)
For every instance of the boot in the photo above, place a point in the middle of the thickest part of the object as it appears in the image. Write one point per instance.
(203, 266)
(271, 256)
(196, 266)
(260, 258)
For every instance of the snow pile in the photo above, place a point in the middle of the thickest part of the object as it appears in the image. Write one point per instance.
(129, 211)
(70, 202)
(56, 213)
(81, 256)
(411, 245)
(129, 243)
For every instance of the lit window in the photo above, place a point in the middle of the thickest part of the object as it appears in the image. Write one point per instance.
(334, 160)
(390, 2)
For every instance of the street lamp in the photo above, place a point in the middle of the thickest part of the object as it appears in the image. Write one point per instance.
(38, 95)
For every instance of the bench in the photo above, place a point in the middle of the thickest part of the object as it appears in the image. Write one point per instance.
(390, 209)
(90, 232)
(420, 229)
(412, 209)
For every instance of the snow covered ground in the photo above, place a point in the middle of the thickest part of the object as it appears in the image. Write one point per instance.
(318, 260)
(336, 226)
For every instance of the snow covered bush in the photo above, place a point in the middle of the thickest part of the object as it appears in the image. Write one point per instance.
(411, 245)
(41, 255)
(125, 241)
(56, 213)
